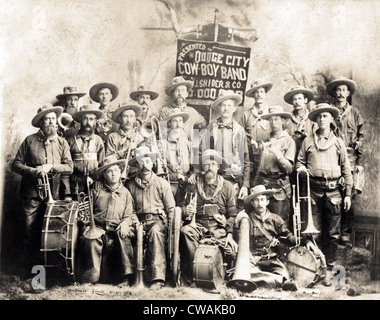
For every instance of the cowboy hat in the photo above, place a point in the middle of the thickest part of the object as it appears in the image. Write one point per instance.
(126, 106)
(276, 111)
(87, 108)
(109, 161)
(143, 90)
(257, 85)
(258, 191)
(339, 81)
(176, 112)
(211, 154)
(70, 91)
(95, 88)
(323, 107)
(143, 152)
(179, 81)
(298, 89)
(227, 95)
(45, 109)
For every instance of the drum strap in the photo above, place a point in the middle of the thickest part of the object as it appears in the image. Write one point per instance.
(262, 229)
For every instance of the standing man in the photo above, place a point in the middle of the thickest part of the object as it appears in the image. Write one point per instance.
(227, 137)
(87, 150)
(350, 128)
(104, 94)
(179, 91)
(42, 153)
(109, 257)
(257, 128)
(324, 157)
(154, 206)
(277, 162)
(215, 212)
(144, 97)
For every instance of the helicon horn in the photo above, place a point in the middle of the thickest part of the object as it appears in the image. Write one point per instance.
(65, 121)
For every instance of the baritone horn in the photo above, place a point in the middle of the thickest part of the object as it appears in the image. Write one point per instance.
(242, 276)
(65, 121)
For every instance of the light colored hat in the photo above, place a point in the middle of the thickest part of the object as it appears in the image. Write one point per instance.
(87, 108)
(276, 111)
(178, 81)
(109, 161)
(211, 154)
(257, 85)
(323, 107)
(45, 109)
(126, 106)
(95, 88)
(258, 191)
(143, 90)
(337, 82)
(70, 91)
(226, 95)
(176, 112)
(298, 89)
(143, 152)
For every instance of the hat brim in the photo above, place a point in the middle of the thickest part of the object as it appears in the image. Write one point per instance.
(313, 114)
(333, 84)
(307, 93)
(134, 161)
(134, 95)
(95, 88)
(121, 163)
(236, 97)
(220, 160)
(136, 108)
(184, 115)
(78, 115)
(266, 86)
(248, 199)
(285, 115)
(189, 84)
(79, 94)
(36, 119)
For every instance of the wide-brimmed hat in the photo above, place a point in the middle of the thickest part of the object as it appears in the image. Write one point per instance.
(126, 106)
(211, 154)
(257, 85)
(276, 111)
(258, 191)
(351, 84)
(45, 109)
(109, 161)
(227, 95)
(143, 90)
(323, 107)
(70, 91)
(176, 112)
(95, 88)
(87, 108)
(143, 152)
(179, 81)
(309, 94)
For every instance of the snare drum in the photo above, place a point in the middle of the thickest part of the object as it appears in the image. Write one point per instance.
(302, 265)
(59, 237)
(208, 269)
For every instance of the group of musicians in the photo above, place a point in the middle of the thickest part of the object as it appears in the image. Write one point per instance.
(137, 168)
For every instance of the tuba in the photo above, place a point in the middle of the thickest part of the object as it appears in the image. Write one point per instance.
(65, 121)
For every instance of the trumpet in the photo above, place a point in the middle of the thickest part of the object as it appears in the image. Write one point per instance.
(43, 188)
(65, 121)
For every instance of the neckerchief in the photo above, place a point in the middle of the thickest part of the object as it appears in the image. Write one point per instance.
(86, 144)
(342, 115)
(330, 141)
(46, 140)
(125, 135)
(303, 118)
(114, 191)
(201, 191)
(258, 115)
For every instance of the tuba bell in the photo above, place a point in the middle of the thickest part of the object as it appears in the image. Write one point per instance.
(65, 121)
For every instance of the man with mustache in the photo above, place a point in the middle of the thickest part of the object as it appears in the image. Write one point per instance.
(215, 212)
(154, 206)
(104, 93)
(144, 97)
(179, 91)
(350, 129)
(324, 157)
(87, 150)
(42, 153)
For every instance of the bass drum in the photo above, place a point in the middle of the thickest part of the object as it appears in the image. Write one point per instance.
(302, 265)
(208, 269)
(59, 238)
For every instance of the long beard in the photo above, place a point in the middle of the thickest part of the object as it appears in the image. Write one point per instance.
(87, 130)
(210, 176)
(49, 130)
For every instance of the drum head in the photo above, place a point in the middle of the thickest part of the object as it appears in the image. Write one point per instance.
(302, 265)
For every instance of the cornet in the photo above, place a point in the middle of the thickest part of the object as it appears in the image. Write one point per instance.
(65, 121)
(44, 190)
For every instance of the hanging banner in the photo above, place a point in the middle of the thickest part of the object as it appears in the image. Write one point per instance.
(212, 66)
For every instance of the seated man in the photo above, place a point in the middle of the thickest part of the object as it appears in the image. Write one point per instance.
(109, 256)
(214, 211)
